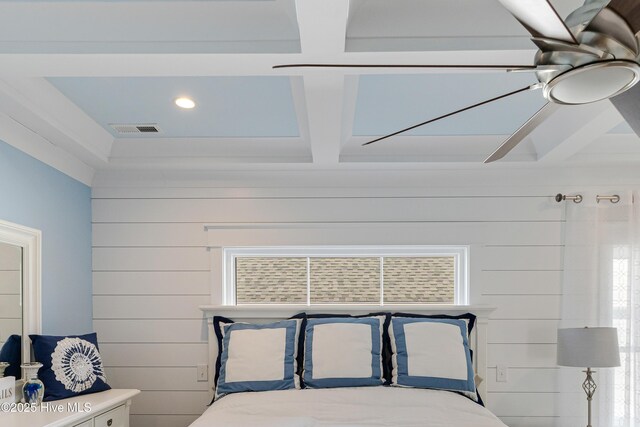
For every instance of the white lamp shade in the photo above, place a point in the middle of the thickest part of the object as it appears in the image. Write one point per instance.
(588, 347)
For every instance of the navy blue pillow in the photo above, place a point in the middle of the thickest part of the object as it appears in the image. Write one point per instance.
(71, 365)
(468, 317)
(217, 328)
(11, 353)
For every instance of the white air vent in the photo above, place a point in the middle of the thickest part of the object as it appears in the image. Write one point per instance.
(136, 128)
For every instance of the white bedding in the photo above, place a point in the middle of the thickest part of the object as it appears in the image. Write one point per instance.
(338, 407)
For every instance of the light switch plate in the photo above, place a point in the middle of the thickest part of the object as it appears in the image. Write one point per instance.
(202, 373)
(501, 373)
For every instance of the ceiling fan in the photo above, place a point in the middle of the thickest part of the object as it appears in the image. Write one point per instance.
(593, 55)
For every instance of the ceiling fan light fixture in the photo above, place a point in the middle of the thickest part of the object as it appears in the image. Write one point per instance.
(593, 82)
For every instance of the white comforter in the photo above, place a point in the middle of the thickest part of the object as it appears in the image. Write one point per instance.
(364, 406)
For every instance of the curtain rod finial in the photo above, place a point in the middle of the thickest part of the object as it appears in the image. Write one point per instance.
(576, 199)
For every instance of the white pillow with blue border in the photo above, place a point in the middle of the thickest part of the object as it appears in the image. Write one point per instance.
(343, 352)
(258, 357)
(432, 353)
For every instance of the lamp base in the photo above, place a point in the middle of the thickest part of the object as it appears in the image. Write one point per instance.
(589, 386)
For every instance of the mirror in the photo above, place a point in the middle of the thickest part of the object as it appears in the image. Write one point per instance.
(20, 260)
(11, 308)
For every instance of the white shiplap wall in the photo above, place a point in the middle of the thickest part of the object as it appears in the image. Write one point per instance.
(152, 270)
(10, 282)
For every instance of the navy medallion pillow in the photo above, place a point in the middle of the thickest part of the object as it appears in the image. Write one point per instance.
(71, 365)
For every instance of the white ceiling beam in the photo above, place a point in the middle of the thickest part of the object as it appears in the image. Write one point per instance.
(616, 143)
(300, 108)
(431, 149)
(622, 148)
(196, 163)
(572, 128)
(392, 180)
(323, 27)
(324, 93)
(206, 64)
(146, 146)
(350, 103)
(428, 159)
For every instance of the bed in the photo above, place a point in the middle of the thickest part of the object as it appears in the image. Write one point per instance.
(362, 406)
(349, 406)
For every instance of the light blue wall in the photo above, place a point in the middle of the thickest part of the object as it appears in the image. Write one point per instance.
(36, 195)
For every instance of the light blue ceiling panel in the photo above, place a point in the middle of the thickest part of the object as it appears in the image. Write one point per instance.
(124, 1)
(389, 103)
(169, 26)
(225, 106)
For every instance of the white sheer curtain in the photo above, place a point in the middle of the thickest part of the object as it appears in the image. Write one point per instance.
(601, 287)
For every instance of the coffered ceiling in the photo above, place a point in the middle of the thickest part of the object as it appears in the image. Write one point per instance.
(72, 69)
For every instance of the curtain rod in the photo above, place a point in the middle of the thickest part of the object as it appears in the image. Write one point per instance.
(578, 198)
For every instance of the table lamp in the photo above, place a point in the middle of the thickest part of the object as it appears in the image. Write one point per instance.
(588, 348)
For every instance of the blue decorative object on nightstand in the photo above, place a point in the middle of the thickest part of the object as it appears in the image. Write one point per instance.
(33, 388)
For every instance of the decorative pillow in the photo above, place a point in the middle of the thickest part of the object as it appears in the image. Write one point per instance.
(257, 357)
(11, 353)
(386, 343)
(343, 352)
(71, 365)
(432, 353)
(469, 318)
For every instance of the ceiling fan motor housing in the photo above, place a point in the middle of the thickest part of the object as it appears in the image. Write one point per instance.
(603, 64)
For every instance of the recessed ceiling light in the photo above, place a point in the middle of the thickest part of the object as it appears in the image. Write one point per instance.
(185, 102)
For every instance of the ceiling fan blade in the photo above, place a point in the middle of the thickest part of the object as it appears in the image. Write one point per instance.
(629, 10)
(524, 89)
(466, 67)
(617, 25)
(540, 116)
(628, 104)
(540, 19)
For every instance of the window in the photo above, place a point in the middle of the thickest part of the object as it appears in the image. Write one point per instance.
(625, 396)
(346, 275)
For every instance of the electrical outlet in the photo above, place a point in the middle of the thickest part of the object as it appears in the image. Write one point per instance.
(202, 373)
(501, 373)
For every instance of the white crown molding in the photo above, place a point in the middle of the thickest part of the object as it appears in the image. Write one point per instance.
(38, 147)
(39, 104)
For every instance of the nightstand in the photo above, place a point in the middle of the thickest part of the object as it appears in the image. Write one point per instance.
(105, 409)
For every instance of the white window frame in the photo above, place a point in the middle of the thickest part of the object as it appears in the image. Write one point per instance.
(459, 252)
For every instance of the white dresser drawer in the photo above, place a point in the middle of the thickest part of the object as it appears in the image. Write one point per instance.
(116, 417)
(109, 408)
